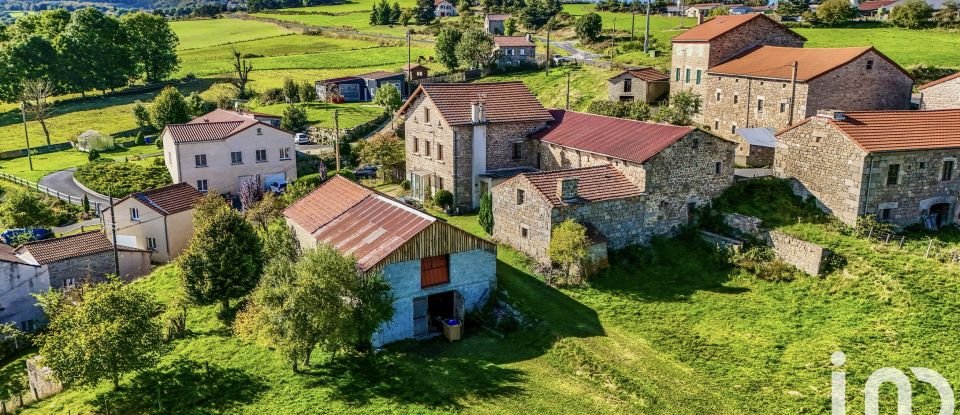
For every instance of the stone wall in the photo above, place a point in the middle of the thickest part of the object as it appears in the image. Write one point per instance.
(743, 224)
(554, 157)
(640, 90)
(761, 156)
(472, 274)
(95, 266)
(806, 256)
(853, 87)
(941, 96)
(43, 383)
(18, 283)
(919, 186)
(623, 222)
(535, 215)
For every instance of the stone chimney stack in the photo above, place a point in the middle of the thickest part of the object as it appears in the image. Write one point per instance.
(700, 13)
(529, 38)
(478, 112)
(836, 115)
(567, 188)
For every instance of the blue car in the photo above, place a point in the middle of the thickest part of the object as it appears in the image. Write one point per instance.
(20, 235)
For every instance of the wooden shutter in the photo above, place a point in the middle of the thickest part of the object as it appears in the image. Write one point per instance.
(434, 271)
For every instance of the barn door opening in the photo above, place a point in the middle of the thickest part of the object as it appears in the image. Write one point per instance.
(420, 316)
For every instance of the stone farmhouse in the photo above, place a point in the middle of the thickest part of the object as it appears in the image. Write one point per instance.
(629, 180)
(435, 270)
(466, 138)
(494, 24)
(221, 149)
(71, 259)
(898, 165)
(158, 220)
(721, 38)
(774, 87)
(515, 50)
(644, 84)
(444, 8)
(941, 94)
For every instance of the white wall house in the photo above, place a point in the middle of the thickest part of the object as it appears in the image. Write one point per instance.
(435, 271)
(219, 150)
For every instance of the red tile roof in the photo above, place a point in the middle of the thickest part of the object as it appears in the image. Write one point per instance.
(167, 200)
(774, 62)
(7, 255)
(411, 66)
(874, 5)
(620, 138)
(720, 25)
(939, 81)
(513, 42)
(216, 125)
(646, 74)
(357, 221)
(504, 101)
(497, 17)
(68, 247)
(595, 184)
(876, 131)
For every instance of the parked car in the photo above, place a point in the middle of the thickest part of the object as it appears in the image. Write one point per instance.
(301, 138)
(366, 172)
(20, 235)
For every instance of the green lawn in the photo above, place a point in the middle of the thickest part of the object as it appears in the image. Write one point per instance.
(211, 32)
(348, 6)
(906, 47)
(586, 85)
(359, 21)
(321, 113)
(44, 164)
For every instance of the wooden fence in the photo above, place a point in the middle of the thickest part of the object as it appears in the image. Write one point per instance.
(928, 247)
(94, 206)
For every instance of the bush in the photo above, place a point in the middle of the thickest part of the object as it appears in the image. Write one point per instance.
(139, 140)
(312, 180)
(121, 179)
(405, 185)
(443, 198)
(345, 173)
(912, 14)
(763, 263)
(158, 161)
(93, 155)
(271, 96)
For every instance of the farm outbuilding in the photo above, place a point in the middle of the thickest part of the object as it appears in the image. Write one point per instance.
(359, 88)
(94, 140)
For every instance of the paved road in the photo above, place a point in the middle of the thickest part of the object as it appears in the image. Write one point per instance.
(570, 46)
(62, 181)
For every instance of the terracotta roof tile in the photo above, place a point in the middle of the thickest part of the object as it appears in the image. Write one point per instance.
(874, 5)
(357, 221)
(646, 74)
(7, 255)
(940, 81)
(410, 66)
(620, 138)
(902, 130)
(59, 249)
(498, 17)
(215, 125)
(167, 200)
(595, 184)
(776, 62)
(505, 101)
(513, 41)
(718, 26)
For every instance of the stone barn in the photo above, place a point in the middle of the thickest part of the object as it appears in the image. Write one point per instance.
(944, 93)
(645, 85)
(435, 270)
(72, 259)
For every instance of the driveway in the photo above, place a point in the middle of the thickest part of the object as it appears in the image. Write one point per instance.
(570, 46)
(62, 181)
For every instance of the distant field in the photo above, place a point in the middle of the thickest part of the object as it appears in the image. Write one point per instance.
(210, 32)
(586, 85)
(386, 57)
(352, 6)
(664, 27)
(359, 21)
(906, 47)
(321, 113)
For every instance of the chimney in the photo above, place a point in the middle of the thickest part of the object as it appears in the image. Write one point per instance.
(478, 113)
(529, 38)
(700, 16)
(567, 188)
(836, 115)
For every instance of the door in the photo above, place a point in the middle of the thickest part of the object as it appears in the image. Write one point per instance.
(274, 179)
(420, 316)
(691, 213)
(941, 214)
(458, 306)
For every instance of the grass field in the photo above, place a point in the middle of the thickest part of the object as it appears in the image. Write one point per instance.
(904, 46)
(44, 164)
(668, 329)
(351, 6)
(586, 85)
(210, 32)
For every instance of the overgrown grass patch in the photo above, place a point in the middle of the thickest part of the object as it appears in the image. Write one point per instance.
(120, 179)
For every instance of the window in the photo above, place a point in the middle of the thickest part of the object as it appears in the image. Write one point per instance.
(524, 232)
(716, 125)
(947, 170)
(718, 167)
(628, 85)
(200, 160)
(259, 131)
(922, 165)
(783, 107)
(718, 96)
(69, 282)
(517, 150)
(870, 64)
(893, 174)
(759, 104)
(434, 270)
(733, 129)
(687, 76)
(285, 153)
(416, 145)
(236, 157)
(695, 143)
(519, 196)
(678, 74)
(885, 214)
(261, 156)
(439, 183)
(202, 185)
(439, 151)
(426, 148)
(134, 214)
(426, 115)
(736, 98)
(151, 243)
(699, 72)
(523, 52)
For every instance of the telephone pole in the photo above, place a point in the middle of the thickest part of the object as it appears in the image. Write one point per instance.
(646, 31)
(793, 91)
(26, 136)
(568, 88)
(336, 135)
(546, 65)
(113, 229)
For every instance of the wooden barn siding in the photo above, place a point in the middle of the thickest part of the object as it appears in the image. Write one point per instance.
(440, 238)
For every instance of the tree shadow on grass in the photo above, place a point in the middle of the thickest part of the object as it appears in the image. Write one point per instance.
(667, 270)
(183, 386)
(410, 378)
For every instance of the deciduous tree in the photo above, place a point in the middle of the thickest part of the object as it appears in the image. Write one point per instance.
(388, 97)
(835, 12)
(446, 47)
(683, 106)
(425, 12)
(589, 27)
(568, 245)
(94, 48)
(475, 49)
(241, 70)
(912, 14)
(99, 332)
(385, 150)
(169, 107)
(23, 208)
(294, 119)
(35, 96)
(224, 258)
(949, 15)
(152, 45)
